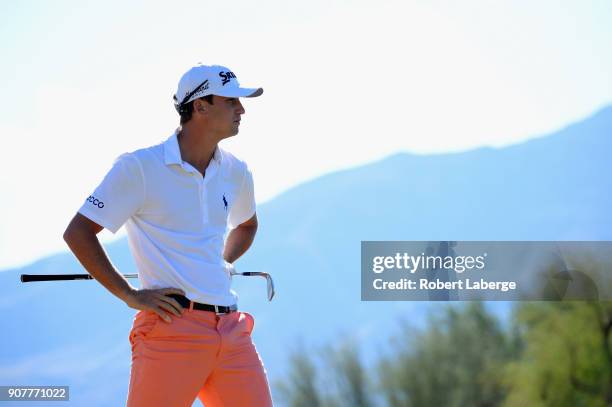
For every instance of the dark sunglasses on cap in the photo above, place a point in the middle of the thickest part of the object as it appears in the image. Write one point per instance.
(181, 107)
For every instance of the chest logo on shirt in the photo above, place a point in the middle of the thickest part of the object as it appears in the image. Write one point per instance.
(224, 202)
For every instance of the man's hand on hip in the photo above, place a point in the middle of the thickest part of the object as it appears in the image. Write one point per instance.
(156, 300)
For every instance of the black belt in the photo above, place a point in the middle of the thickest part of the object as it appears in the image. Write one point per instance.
(217, 309)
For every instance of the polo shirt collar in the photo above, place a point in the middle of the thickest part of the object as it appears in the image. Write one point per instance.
(172, 152)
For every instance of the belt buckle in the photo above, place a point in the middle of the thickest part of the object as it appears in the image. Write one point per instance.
(217, 310)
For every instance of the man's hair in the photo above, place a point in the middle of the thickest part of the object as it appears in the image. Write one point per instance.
(188, 111)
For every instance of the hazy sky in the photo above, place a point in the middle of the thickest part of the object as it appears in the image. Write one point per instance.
(346, 82)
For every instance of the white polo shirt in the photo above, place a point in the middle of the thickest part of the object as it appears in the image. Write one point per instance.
(176, 219)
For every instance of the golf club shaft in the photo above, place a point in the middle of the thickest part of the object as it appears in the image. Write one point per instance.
(26, 278)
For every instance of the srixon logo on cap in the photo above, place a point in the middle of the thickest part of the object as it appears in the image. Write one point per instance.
(226, 76)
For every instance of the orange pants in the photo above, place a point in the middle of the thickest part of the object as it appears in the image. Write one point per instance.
(199, 354)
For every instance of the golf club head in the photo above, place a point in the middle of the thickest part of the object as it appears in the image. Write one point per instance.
(270, 286)
(269, 282)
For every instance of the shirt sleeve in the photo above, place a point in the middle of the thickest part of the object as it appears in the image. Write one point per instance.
(243, 208)
(119, 195)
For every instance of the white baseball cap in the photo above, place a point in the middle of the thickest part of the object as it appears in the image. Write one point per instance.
(203, 80)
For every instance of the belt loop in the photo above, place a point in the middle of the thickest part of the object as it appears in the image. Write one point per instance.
(190, 306)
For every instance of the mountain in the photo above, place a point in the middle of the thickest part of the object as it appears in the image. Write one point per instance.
(556, 187)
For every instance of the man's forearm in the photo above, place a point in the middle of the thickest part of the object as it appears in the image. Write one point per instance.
(91, 255)
(238, 242)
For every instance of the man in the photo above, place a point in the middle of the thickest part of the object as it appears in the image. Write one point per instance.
(177, 199)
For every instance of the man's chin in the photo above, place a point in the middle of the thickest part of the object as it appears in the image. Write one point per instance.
(231, 134)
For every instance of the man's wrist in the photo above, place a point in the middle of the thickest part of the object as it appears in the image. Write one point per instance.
(126, 294)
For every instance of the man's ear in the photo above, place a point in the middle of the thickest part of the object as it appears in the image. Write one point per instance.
(199, 106)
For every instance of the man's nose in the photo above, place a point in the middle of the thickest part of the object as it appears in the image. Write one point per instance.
(240, 108)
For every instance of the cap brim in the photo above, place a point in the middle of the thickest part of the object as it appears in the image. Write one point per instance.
(241, 92)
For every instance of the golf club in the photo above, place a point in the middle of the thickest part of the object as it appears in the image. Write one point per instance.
(27, 278)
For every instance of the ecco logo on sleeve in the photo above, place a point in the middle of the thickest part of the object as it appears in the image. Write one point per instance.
(226, 76)
(95, 201)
